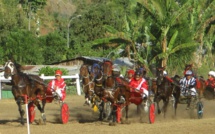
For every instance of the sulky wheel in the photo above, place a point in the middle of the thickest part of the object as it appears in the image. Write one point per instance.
(64, 113)
(152, 113)
(199, 109)
(31, 111)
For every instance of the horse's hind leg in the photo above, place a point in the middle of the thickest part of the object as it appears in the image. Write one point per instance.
(21, 111)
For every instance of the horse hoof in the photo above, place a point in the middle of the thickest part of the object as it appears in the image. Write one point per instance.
(112, 124)
(126, 122)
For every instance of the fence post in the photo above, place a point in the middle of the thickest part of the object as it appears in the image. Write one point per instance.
(0, 88)
(78, 84)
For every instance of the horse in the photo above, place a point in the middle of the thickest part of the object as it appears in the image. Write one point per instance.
(23, 85)
(165, 88)
(123, 97)
(109, 81)
(88, 84)
(121, 101)
(99, 91)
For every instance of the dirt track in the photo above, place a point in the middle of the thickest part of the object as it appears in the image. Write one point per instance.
(83, 120)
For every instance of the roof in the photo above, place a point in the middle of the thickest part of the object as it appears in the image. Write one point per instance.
(95, 59)
(124, 62)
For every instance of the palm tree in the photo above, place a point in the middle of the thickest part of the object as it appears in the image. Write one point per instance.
(167, 18)
(125, 38)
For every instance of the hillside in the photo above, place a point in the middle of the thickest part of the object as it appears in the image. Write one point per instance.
(55, 13)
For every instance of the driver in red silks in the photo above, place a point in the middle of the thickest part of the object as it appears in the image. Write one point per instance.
(211, 79)
(58, 85)
(139, 84)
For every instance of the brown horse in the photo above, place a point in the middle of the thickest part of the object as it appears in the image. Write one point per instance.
(121, 101)
(165, 89)
(26, 85)
(103, 95)
(109, 81)
(88, 84)
(123, 97)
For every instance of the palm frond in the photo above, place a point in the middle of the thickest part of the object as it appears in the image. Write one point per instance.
(172, 40)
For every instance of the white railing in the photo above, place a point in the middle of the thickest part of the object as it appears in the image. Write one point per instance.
(76, 76)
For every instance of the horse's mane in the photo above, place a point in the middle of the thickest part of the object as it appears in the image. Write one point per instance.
(31, 77)
(18, 67)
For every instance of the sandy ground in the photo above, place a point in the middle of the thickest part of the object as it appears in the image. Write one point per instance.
(84, 120)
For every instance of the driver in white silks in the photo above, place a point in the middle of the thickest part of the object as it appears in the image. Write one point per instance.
(188, 84)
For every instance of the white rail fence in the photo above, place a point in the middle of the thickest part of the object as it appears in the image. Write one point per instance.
(76, 76)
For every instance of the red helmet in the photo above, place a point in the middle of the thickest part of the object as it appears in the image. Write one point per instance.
(131, 72)
(58, 72)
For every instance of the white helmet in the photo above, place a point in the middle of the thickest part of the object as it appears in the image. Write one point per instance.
(212, 73)
(188, 72)
(165, 73)
(116, 68)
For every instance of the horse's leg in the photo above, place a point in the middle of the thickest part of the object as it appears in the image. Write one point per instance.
(21, 111)
(101, 110)
(41, 109)
(113, 113)
(126, 113)
(166, 102)
(157, 100)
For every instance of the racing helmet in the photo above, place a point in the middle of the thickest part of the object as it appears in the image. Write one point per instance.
(212, 73)
(189, 72)
(165, 73)
(115, 68)
(137, 73)
(58, 72)
(131, 72)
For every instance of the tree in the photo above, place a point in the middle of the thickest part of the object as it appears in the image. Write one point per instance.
(23, 47)
(55, 48)
(167, 17)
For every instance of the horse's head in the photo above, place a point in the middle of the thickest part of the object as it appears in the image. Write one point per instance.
(160, 75)
(9, 69)
(107, 69)
(188, 67)
(84, 72)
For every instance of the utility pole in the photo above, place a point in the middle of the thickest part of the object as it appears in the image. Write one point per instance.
(68, 26)
(29, 16)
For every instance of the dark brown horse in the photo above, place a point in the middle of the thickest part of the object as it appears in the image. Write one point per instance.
(26, 85)
(100, 92)
(165, 89)
(88, 84)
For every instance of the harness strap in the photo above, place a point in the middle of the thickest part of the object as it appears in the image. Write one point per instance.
(139, 86)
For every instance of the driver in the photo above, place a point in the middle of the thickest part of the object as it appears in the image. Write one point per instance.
(139, 84)
(58, 85)
(188, 83)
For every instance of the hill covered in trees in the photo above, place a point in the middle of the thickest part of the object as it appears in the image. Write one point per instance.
(168, 33)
